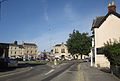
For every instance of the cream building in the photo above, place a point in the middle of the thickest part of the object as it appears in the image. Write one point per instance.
(25, 51)
(60, 50)
(30, 51)
(15, 50)
(104, 28)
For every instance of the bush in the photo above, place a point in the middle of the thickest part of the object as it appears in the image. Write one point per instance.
(112, 52)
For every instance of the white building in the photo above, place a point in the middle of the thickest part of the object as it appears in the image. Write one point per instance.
(104, 28)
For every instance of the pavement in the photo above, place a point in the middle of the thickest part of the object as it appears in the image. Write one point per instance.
(83, 72)
(87, 73)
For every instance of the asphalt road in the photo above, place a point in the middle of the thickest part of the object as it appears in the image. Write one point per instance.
(70, 71)
(38, 73)
(24, 76)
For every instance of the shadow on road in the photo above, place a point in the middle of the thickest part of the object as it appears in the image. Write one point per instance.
(21, 65)
(107, 70)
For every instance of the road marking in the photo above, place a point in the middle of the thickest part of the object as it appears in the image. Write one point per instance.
(15, 73)
(49, 72)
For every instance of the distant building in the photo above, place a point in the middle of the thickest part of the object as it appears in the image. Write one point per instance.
(30, 51)
(61, 51)
(15, 50)
(25, 51)
(104, 28)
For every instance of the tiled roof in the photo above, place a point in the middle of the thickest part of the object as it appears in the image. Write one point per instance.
(20, 46)
(4, 43)
(60, 44)
(30, 44)
(99, 20)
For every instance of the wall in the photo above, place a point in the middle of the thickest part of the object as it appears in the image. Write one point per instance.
(109, 30)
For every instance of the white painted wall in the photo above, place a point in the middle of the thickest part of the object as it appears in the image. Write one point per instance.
(110, 29)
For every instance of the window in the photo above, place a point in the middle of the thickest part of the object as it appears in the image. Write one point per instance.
(35, 51)
(56, 51)
(100, 51)
(62, 50)
(15, 52)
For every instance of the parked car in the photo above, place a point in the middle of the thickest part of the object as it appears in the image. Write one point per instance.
(87, 60)
(7, 62)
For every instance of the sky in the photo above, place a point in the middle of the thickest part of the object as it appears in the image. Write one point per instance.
(48, 22)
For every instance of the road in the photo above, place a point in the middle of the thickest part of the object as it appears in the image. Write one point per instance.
(70, 71)
(37, 73)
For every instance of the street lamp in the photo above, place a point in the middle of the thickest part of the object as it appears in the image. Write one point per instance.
(1, 1)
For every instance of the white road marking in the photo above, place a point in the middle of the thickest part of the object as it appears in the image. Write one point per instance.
(49, 72)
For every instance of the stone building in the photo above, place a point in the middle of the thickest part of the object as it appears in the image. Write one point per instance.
(30, 51)
(61, 50)
(15, 50)
(25, 51)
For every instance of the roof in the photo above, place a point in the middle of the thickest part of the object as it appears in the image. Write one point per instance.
(59, 44)
(4, 43)
(20, 46)
(12, 44)
(99, 20)
(30, 44)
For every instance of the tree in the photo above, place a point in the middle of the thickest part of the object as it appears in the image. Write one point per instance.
(112, 52)
(79, 43)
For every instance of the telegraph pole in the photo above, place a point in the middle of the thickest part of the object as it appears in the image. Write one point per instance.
(1, 1)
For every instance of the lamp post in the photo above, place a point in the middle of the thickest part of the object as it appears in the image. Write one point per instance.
(1, 1)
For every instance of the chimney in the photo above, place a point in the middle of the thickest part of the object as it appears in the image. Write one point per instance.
(111, 7)
(15, 42)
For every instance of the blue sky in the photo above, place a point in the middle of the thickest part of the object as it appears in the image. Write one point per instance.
(48, 22)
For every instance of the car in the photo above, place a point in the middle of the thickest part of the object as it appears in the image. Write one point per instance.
(87, 60)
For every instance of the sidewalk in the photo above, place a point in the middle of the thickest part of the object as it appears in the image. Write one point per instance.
(87, 73)
(83, 72)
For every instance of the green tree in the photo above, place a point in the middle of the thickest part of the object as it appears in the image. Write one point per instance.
(112, 52)
(79, 43)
